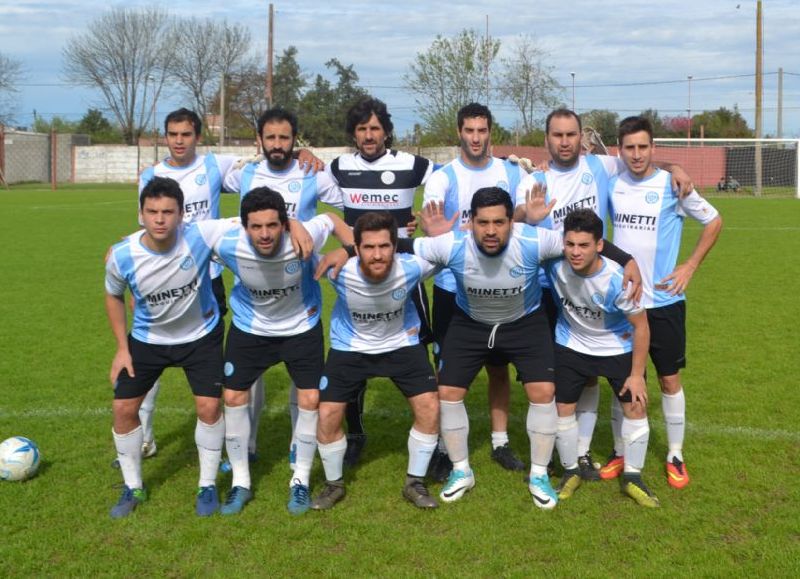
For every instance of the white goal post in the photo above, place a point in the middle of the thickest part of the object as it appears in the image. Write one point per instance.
(747, 167)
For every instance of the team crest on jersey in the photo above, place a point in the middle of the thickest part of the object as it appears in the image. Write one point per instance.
(187, 262)
(292, 266)
(200, 179)
(516, 271)
(587, 178)
(399, 294)
(387, 177)
(651, 197)
(598, 299)
(503, 185)
(228, 369)
(294, 186)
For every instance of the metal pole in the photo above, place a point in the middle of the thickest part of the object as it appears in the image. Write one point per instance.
(268, 92)
(759, 87)
(222, 113)
(573, 91)
(486, 68)
(780, 103)
(689, 110)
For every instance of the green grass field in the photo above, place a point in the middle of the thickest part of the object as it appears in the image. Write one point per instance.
(739, 517)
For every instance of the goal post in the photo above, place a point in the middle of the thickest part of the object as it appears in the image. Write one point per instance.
(737, 167)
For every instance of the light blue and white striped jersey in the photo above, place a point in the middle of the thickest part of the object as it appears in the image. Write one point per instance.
(277, 295)
(456, 183)
(494, 289)
(201, 184)
(648, 221)
(299, 190)
(172, 298)
(373, 318)
(592, 310)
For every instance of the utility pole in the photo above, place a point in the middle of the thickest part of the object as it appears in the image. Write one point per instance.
(268, 91)
(759, 87)
(780, 103)
(486, 67)
(222, 112)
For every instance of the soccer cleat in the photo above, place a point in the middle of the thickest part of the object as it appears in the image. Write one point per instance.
(149, 449)
(569, 484)
(636, 489)
(586, 468)
(613, 467)
(355, 444)
(458, 483)
(237, 498)
(128, 501)
(440, 466)
(299, 499)
(417, 494)
(544, 496)
(505, 457)
(330, 495)
(677, 475)
(207, 502)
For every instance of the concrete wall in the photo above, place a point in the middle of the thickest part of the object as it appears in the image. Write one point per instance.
(28, 156)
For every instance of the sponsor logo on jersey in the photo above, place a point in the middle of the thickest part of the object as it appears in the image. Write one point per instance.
(293, 266)
(587, 178)
(494, 292)
(368, 317)
(587, 202)
(516, 271)
(597, 298)
(165, 297)
(387, 177)
(399, 294)
(200, 179)
(634, 221)
(376, 199)
(651, 197)
(267, 293)
(195, 207)
(187, 262)
(294, 186)
(503, 185)
(584, 312)
(291, 210)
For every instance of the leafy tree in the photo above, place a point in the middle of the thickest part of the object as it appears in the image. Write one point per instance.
(659, 129)
(721, 124)
(57, 124)
(604, 122)
(98, 128)
(10, 75)
(288, 80)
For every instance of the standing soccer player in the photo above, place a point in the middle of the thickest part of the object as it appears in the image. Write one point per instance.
(375, 332)
(454, 185)
(176, 322)
(648, 221)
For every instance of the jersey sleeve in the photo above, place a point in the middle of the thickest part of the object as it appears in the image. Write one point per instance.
(613, 165)
(328, 190)
(115, 283)
(551, 243)
(225, 164)
(232, 180)
(319, 228)
(427, 268)
(213, 230)
(435, 249)
(428, 169)
(697, 208)
(436, 187)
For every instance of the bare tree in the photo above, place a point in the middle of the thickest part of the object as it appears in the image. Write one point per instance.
(124, 53)
(528, 83)
(10, 75)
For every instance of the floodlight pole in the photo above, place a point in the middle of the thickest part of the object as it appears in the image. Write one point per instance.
(759, 88)
(689, 111)
(573, 91)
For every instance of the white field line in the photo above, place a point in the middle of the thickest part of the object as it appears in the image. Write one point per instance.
(81, 205)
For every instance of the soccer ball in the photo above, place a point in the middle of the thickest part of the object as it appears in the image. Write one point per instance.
(19, 458)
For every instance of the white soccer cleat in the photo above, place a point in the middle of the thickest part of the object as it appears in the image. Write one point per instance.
(458, 483)
(544, 496)
(149, 449)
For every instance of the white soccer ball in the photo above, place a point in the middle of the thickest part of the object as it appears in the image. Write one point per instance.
(19, 458)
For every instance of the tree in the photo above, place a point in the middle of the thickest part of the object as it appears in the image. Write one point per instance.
(10, 75)
(124, 53)
(450, 74)
(659, 129)
(721, 124)
(56, 124)
(604, 122)
(98, 128)
(288, 80)
(528, 83)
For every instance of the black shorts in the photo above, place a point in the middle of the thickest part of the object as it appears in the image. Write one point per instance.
(218, 287)
(420, 299)
(248, 355)
(444, 307)
(201, 361)
(526, 343)
(409, 369)
(668, 337)
(573, 368)
(550, 308)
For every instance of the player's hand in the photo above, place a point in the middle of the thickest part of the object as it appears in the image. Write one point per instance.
(542, 166)
(535, 207)
(524, 162)
(257, 158)
(302, 243)
(433, 220)
(333, 261)
(122, 361)
(677, 282)
(632, 279)
(309, 162)
(637, 386)
(681, 182)
(411, 227)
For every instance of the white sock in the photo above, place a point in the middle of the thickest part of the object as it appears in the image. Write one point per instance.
(332, 455)
(616, 426)
(129, 455)
(146, 412)
(442, 447)
(255, 406)
(567, 441)
(541, 423)
(674, 408)
(209, 439)
(420, 449)
(455, 432)
(636, 433)
(237, 433)
(305, 435)
(499, 439)
(586, 413)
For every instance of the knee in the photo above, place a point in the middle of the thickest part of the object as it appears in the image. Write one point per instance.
(308, 399)
(208, 410)
(670, 384)
(236, 397)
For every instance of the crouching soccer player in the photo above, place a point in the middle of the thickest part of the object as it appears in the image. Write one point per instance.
(375, 332)
(176, 322)
(600, 332)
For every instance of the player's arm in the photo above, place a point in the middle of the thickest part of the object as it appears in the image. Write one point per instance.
(679, 279)
(536, 208)
(341, 230)
(433, 220)
(115, 308)
(631, 276)
(681, 182)
(302, 242)
(309, 162)
(635, 383)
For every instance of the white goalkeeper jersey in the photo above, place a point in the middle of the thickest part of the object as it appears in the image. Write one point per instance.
(648, 222)
(299, 190)
(277, 295)
(373, 318)
(494, 289)
(456, 183)
(592, 310)
(172, 298)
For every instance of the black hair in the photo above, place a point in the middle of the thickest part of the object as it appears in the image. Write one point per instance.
(474, 110)
(362, 111)
(631, 125)
(260, 199)
(489, 197)
(162, 187)
(181, 115)
(584, 220)
(563, 112)
(277, 114)
(375, 221)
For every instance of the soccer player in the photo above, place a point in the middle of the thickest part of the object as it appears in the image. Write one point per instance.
(176, 322)
(648, 221)
(454, 185)
(375, 332)
(378, 178)
(600, 332)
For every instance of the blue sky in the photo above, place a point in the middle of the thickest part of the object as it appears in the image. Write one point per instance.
(626, 56)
